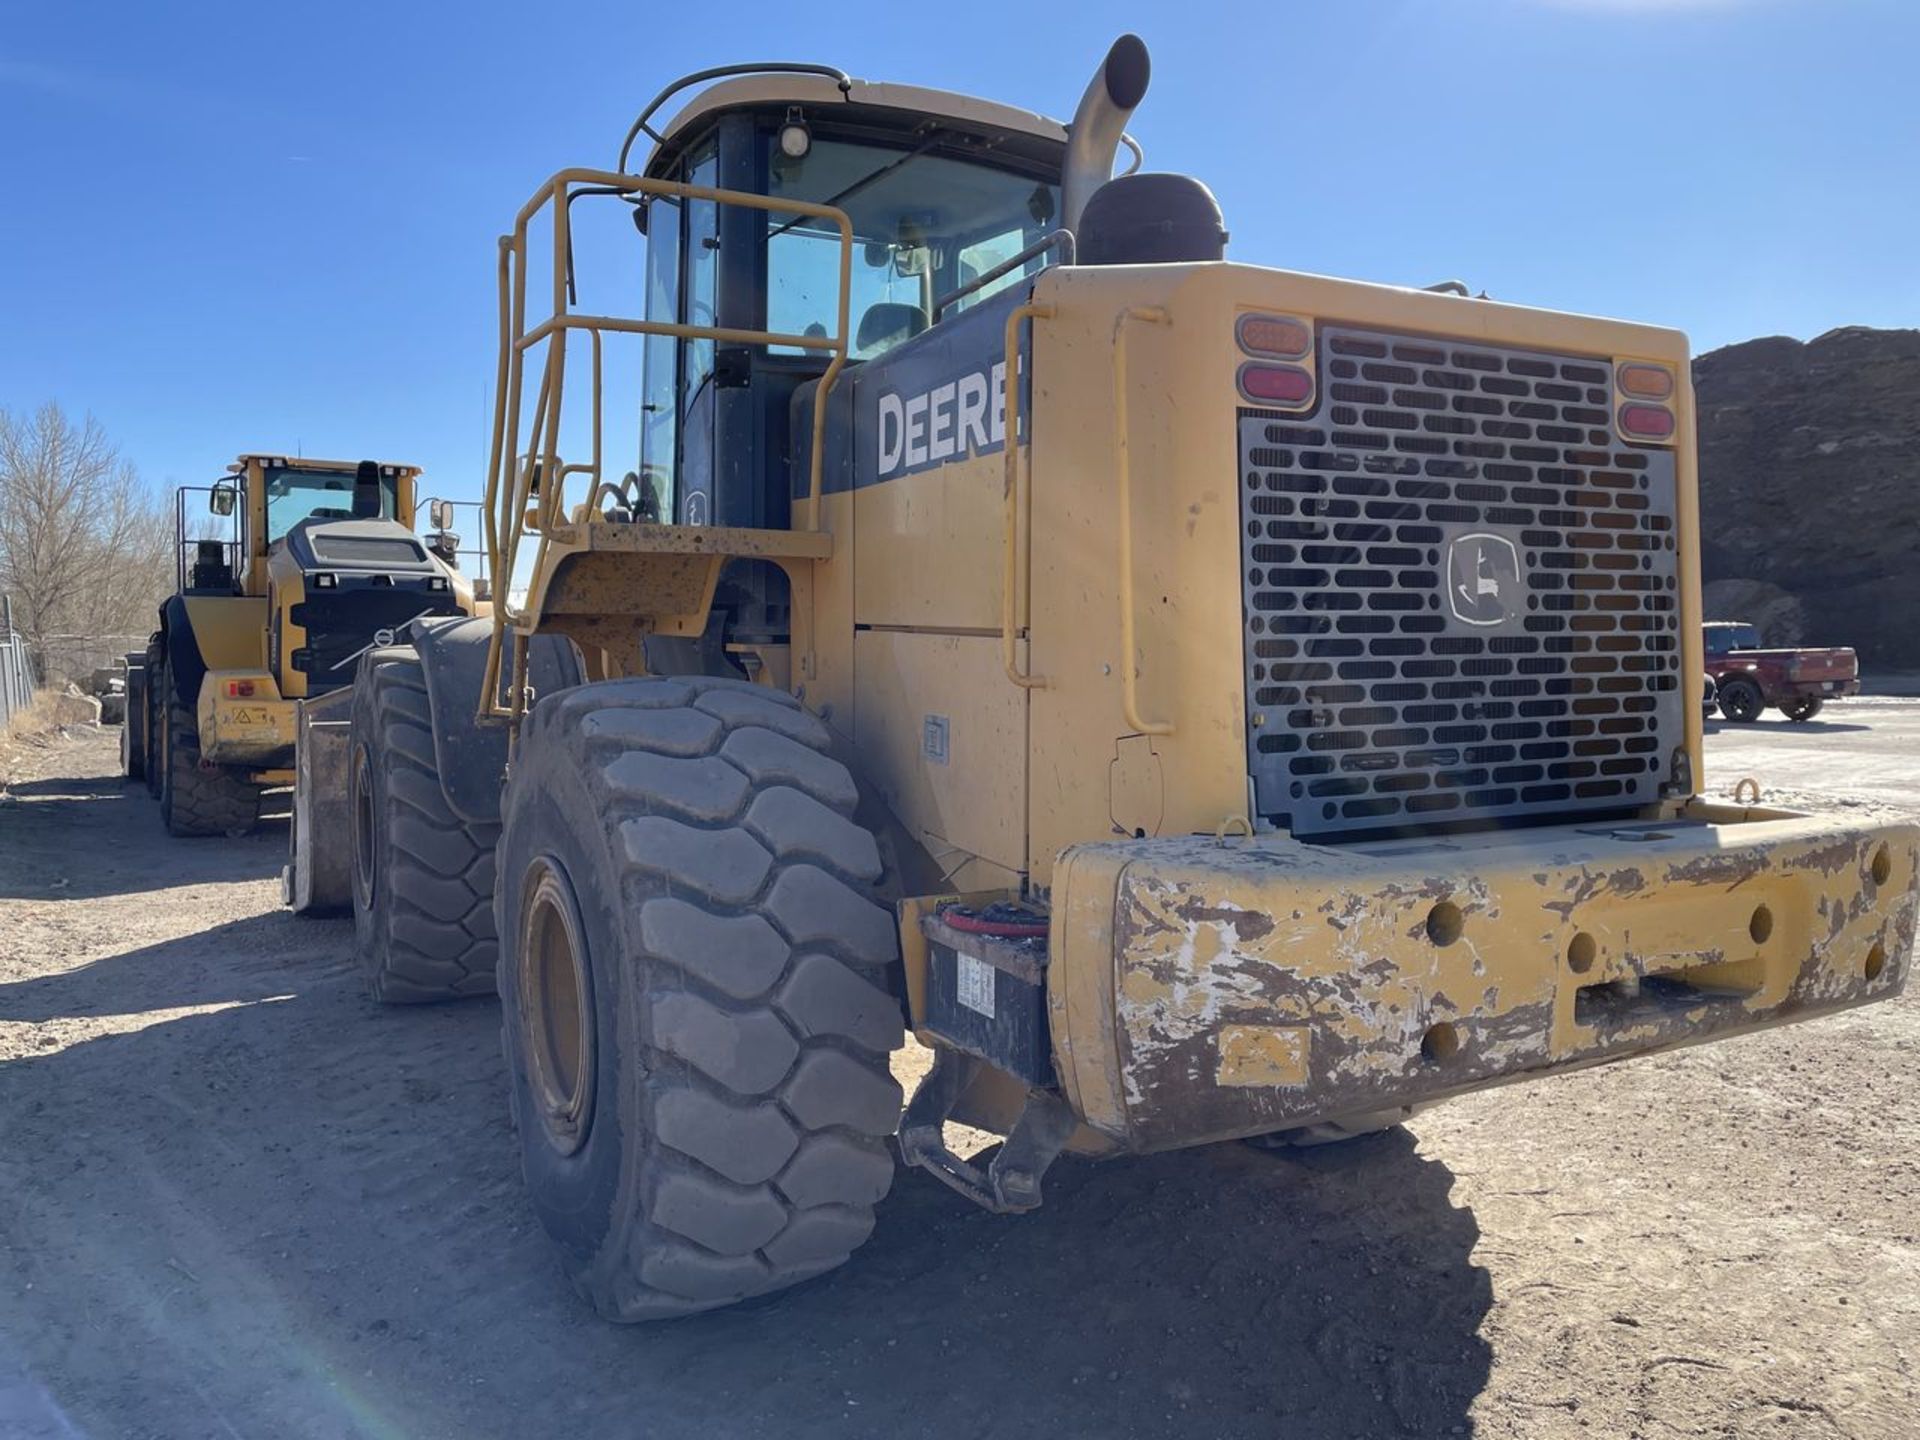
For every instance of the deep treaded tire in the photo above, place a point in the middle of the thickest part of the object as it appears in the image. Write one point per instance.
(693, 974)
(196, 802)
(422, 878)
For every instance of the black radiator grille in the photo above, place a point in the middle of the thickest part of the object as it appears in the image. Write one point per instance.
(343, 623)
(1461, 592)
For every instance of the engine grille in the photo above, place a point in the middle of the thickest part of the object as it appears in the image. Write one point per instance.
(343, 623)
(1461, 593)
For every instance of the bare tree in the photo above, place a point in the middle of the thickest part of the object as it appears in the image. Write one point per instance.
(85, 548)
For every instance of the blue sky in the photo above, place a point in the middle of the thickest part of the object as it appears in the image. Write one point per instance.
(247, 225)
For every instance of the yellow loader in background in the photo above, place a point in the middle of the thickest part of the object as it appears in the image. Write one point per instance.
(1200, 700)
(257, 649)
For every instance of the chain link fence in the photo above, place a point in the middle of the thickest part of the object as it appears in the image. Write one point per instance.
(77, 658)
(89, 663)
(16, 677)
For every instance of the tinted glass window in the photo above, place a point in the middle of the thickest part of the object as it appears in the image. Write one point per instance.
(293, 495)
(924, 224)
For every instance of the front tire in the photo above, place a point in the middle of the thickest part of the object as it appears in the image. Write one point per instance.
(198, 800)
(1741, 701)
(1802, 710)
(422, 877)
(693, 977)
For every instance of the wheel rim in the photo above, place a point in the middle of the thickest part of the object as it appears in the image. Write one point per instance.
(1741, 701)
(556, 1007)
(363, 867)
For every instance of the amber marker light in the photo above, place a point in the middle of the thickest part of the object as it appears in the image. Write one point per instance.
(1274, 335)
(1646, 382)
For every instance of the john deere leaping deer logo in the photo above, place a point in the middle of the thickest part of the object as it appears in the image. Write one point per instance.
(1483, 578)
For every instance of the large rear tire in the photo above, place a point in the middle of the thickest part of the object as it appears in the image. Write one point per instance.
(693, 977)
(1802, 710)
(422, 878)
(198, 800)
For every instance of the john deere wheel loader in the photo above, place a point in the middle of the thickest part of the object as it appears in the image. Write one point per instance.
(1200, 700)
(266, 629)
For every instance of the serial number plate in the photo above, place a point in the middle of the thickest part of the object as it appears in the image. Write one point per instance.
(975, 987)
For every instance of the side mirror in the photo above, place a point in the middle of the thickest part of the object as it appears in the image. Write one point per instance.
(440, 514)
(220, 502)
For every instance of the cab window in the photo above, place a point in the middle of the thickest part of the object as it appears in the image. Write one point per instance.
(294, 495)
(924, 225)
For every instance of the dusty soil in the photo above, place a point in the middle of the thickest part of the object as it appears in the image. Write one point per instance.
(238, 1199)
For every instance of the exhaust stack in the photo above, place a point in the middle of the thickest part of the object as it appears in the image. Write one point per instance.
(1093, 137)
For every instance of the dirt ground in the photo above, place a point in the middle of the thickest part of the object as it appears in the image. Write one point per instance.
(238, 1199)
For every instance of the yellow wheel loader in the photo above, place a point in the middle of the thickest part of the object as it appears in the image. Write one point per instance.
(1198, 700)
(262, 639)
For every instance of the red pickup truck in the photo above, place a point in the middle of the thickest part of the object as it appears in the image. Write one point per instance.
(1751, 678)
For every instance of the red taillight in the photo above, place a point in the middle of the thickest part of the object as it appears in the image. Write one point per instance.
(1647, 422)
(1276, 384)
(236, 689)
(1646, 382)
(1274, 335)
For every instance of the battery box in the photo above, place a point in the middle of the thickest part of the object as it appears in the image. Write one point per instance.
(987, 996)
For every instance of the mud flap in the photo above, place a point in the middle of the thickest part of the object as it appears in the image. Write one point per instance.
(318, 878)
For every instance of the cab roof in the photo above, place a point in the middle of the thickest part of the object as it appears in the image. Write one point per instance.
(824, 94)
(281, 457)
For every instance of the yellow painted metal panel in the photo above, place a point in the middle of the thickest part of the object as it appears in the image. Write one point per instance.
(1184, 562)
(932, 556)
(824, 680)
(1157, 395)
(256, 729)
(917, 694)
(1080, 971)
(231, 630)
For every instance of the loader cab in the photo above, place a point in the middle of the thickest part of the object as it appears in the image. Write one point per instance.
(268, 495)
(941, 190)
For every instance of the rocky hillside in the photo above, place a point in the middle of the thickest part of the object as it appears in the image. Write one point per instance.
(1810, 490)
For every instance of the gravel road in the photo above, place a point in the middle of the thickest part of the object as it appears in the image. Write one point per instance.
(238, 1199)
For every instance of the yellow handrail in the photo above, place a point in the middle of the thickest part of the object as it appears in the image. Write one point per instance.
(512, 472)
(1129, 679)
(1008, 576)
